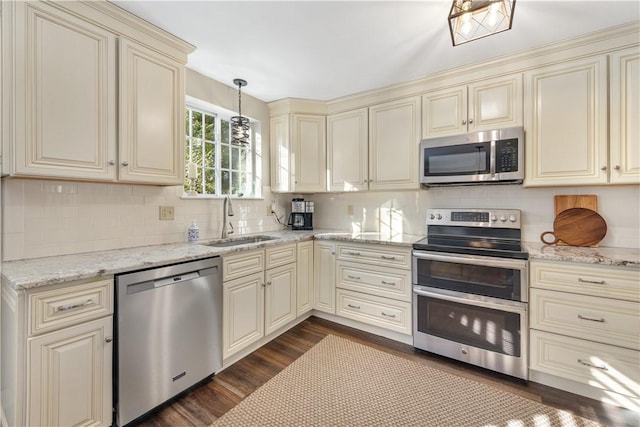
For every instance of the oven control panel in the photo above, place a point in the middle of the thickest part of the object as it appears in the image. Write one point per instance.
(498, 218)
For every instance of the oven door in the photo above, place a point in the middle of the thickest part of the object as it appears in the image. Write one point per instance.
(481, 331)
(469, 274)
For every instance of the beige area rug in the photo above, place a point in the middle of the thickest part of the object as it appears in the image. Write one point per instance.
(342, 383)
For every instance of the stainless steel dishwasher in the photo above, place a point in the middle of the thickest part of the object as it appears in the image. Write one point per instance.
(168, 333)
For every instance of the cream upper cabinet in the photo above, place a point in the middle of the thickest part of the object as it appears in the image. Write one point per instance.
(625, 111)
(347, 151)
(59, 86)
(566, 123)
(489, 104)
(85, 100)
(151, 144)
(298, 153)
(394, 137)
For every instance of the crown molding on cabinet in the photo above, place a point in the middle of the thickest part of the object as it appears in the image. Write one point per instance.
(298, 106)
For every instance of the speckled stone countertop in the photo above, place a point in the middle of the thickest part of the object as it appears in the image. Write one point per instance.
(620, 257)
(31, 273)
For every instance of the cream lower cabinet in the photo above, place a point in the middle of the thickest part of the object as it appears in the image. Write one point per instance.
(324, 292)
(486, 105)
(86, 100)
(585, 330)
(57, 366)
(259, 295)
(304, 266)
(374, 285)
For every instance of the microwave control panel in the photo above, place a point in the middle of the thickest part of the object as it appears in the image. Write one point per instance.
(507, 155)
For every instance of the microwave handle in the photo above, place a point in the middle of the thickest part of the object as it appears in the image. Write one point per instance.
(513, 264)
(492, 160)
(510, 306)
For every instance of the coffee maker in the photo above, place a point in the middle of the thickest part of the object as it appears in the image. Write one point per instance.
(301, 217)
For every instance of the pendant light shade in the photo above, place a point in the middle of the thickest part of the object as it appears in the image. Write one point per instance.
(239, 124)
(473, 19)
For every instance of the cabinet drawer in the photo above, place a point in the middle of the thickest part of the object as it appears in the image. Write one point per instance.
(377, 255)
(382, 312)
(243, 264)
(599, 281)
(379, 281)
(70, 305)
(598, 319)
(597, 365)
(280, 255)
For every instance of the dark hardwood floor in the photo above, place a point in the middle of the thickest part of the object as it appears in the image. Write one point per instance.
(203, 404)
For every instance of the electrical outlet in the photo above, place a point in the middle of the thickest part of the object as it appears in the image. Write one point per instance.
(167, 212)
(269, 210)
(350, 210)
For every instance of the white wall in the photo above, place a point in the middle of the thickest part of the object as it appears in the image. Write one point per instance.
(404, 211)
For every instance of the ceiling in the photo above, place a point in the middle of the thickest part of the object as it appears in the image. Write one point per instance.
(327, 49)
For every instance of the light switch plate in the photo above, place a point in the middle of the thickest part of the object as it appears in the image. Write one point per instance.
(167, 213)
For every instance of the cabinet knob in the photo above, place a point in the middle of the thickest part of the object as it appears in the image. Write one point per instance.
(108, 339)
(125, 163)
(464, 122)
(112, 162)
(470, 121)
(617, 167)
(603, 168)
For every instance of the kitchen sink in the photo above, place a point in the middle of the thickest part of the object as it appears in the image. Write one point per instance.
(241, 241)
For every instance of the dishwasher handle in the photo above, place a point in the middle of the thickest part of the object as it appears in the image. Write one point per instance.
(171, 280)
(175, 279)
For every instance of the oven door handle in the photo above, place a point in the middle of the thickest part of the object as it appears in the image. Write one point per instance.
(514, 264)
(510, 306)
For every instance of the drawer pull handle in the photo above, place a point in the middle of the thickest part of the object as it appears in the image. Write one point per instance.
(353, 253)
(357, 307)
(388, 315)
(580, 316)
(595, 282)
(388, 283)
(387, 257)
(74, 306)
(353, 277)
(602, 368)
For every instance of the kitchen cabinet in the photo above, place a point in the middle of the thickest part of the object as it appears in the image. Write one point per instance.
(374, 285)
(394, 137)
(298, 153)
(565, 115)
(304, 265)
(87, 100)
(259, 295)
(485, 105)
(624, 113)
(585, 329)
(348, 151)
(57, 349)
(324, 274)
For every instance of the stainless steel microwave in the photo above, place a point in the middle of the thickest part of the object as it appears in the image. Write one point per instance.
(489, 157)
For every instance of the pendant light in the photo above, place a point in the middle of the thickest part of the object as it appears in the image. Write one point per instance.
(239, 124)
(473, 19)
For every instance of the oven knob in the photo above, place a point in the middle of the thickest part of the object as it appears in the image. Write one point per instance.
(432, 216)
(439, 216)
(502, 218)
(512, 218)
(494, 218)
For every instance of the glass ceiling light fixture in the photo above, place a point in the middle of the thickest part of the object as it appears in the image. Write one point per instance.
(239, 124)
(473, 19)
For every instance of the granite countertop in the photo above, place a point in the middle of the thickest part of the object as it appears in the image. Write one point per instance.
(620, 257)
(31, 273)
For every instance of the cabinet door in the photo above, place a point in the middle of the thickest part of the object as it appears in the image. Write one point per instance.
(347, 151)
(243, 313)
(63, 71)
(280, 297)
(280, 154)
(304, 281)
(69, 381)
(394, 137)
(324, 276)
(444, 112)
(151, 144)
(308, 134)
(495, 103)
(625, 110)
(566, 123)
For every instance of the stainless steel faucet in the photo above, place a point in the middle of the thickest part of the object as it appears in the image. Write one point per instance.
(227, 210)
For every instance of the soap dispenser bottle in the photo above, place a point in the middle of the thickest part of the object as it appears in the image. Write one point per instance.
(193, 233)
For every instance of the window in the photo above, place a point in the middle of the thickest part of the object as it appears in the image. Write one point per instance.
(214, 165)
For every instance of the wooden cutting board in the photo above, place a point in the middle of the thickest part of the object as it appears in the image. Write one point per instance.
(587, 201)
(577, 227)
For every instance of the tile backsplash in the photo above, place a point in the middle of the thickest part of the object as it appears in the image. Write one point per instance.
(44, 218)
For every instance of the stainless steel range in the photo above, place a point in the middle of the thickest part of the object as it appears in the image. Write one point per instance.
(470, 289)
